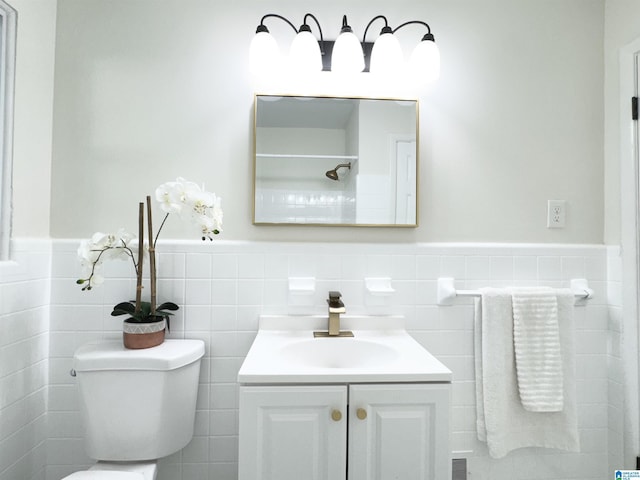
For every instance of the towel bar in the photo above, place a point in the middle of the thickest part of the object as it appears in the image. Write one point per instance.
(447, 291)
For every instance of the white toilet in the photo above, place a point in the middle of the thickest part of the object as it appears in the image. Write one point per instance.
(137, 405)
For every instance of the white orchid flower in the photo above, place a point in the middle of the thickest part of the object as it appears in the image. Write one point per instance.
(102, 246)
(169, 196)
(188, 200)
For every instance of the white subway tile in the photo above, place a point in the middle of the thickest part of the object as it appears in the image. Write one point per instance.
(573, 267)
(302, 265)
(525, 268)
(477, 268)
(595, 267)
(452, 266)
(276, 293)
(197, 317)
(224, 292)
(224, 449)
(172, 265)
(224, 396)
(224, 266)
(193, 471)
(224, 422)
(251, 266)
(250, 292)
(224, 318)
(353, 266)
(427, 267)
(223, 344)
(198, 265)
(276, 265)
(198, 291)
(403, 267)
(549, 268)
(501, 268)
(426, 292)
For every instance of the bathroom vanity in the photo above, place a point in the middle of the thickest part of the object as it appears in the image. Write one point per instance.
(372, 406)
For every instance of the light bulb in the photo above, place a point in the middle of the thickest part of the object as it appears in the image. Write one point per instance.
(425, 61)
(264, 55)
(386, 55)
(304, 53)
(347, 56)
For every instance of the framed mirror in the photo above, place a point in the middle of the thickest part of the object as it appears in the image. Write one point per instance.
(335, 161)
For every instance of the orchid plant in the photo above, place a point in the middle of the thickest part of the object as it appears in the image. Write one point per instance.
(186, 199)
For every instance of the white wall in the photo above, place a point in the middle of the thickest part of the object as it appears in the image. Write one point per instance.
(515, 120)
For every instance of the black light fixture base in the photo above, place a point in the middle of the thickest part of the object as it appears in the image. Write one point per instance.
(327, 49)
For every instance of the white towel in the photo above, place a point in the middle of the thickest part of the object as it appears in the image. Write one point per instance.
(536, 342)
(501, 419)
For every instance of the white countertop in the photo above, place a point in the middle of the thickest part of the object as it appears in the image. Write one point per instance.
(285, 351)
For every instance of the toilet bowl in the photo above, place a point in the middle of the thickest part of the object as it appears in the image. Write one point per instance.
(137, 406)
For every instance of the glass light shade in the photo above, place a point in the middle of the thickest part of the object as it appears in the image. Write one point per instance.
(304, 54)
(264, 55)
(386, 56)
(347, 56)
(425, 61)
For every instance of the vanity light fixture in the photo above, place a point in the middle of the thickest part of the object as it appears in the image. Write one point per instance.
(346, 54)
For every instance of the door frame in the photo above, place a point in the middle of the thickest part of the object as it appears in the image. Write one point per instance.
(630, 244)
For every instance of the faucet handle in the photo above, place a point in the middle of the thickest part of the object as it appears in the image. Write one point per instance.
(334, 299)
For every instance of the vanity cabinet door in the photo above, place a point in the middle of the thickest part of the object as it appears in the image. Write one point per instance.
(399, 432)
(293, 433)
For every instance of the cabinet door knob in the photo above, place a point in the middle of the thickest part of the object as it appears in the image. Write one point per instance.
(361, 413)
(336, 415)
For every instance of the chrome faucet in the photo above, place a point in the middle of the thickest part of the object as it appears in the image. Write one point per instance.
(336, 307)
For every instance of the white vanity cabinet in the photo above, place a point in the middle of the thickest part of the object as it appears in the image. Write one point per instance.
(345, 432)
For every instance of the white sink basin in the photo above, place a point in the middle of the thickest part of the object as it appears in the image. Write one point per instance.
(338, 353)
(381, 350)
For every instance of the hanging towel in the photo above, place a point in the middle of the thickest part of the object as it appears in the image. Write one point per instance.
(502, 421)
(536, 342)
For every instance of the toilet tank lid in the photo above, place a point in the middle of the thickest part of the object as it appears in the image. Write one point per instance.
(169, 355)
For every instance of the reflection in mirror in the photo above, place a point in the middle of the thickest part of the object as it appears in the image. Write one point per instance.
(335, 161)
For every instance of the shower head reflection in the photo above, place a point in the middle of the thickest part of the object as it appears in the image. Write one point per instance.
(333, 174)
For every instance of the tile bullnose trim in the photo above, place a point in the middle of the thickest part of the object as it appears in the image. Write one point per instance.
(435, 248)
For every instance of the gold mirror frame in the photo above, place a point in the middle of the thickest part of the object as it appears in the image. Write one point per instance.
(331, 165)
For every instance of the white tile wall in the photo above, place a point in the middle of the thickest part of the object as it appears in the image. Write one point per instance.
(319, 206)
(227, 285)
(24, 350)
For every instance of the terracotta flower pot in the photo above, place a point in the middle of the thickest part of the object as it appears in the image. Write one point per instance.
(143, 335)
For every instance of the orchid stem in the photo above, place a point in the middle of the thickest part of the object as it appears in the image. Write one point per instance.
(152, 257)
(140, 256)
(159, 229)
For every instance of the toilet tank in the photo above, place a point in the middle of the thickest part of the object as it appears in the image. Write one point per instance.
(137, 404)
